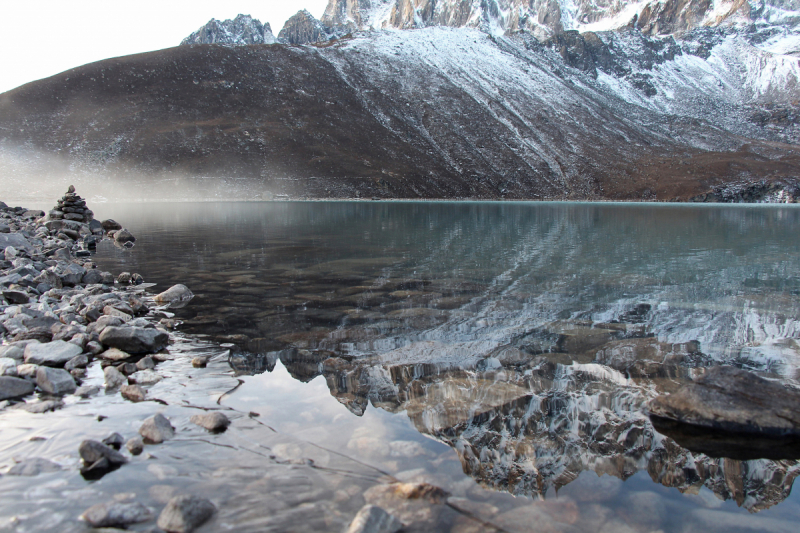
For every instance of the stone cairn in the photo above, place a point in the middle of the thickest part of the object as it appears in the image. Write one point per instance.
(72, 207)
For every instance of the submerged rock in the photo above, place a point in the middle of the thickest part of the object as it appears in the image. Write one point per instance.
(732, 413)
(373, 519)
(176, 296)
(33, 467)
(116, 514)
(184, 514)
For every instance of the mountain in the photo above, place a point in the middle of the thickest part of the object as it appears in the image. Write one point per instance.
(242, 30)
(708, 113)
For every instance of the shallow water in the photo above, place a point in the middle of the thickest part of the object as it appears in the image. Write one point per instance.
(503, 351)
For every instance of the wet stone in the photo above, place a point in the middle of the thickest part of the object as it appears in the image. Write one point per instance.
(213, 421)
(134, 393)
(135, 445)
(93, 452)
(373, 519)
(186, 513)
(156, 429)
(43, 407)
(145, 363)
(134, 340)
(86, 391)
(116, 514)
(113, 354)
(114, 378)
(115, 440)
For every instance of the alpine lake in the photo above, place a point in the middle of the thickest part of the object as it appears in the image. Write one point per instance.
(502, 352)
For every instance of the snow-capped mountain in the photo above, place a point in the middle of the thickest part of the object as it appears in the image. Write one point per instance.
(241, 30)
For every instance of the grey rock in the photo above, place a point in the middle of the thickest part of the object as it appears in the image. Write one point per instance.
(114, 378)
(124, 278)
(55, 353)
(115, 440)
(86, 391)
(122, 236)
(134, 393)
(116, 514)
(156, 429)
(137, 279)
(144, 377)
(16, 296)
(11, 387)
(213, 421)
(184, 514)
(732, 413)
(79, 361)
(43, 407)
(135, 445)
(92, 451)
(27, 371)
(145, 363)
(176, 294)
(92, 276)
(33, 467)
(373, 519)
(113, 311)
(55, 380)
(13, 351)
(16, 241)
(134, 340)
(71, 274)
(110, 225)
(8, 367)
(94, 347)
(103, 322)
(4, 228)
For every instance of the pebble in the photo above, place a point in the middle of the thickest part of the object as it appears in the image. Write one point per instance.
(184, 514)
(156, 429)
(116, 514)
(213, 421)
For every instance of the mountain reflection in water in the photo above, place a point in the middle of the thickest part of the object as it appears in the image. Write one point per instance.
(528, 337)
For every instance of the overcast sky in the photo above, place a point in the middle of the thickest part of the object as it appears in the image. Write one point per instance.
(45, 37)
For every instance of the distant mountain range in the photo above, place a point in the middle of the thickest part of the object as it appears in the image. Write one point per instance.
(673, 100)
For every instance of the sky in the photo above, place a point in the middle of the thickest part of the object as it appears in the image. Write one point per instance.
(45, 37)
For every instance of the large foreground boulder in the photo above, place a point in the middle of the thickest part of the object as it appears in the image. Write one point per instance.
(11, 387)
(134, 340)
(732, 413)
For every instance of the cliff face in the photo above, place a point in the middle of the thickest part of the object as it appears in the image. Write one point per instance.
(303, 28)
(241, 30)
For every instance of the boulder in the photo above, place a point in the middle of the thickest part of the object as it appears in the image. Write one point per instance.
(71, 274)
(55, 380)
(116, 514)
(134, 340)
(729, 412)
(11, 387)
(92, 451)
(55, 353)
(177, 294)
(184, 514)
(110, 225)
(8, 367)
(213, 421)
(92, 277)
(122, 236)
(156, 429)
(79, 361)
(103, 322)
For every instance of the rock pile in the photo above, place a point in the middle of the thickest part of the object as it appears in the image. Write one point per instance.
(72, 207)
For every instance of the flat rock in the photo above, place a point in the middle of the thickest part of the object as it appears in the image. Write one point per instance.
(33, 467)
(144, 377)
(116, 514)
(55, 353)
(16, 240)
(213, 421)
(134, 340)
(732, 413)
(185, 513)
(156, 429)
(43, 407)
(55, 380)
(373, 519)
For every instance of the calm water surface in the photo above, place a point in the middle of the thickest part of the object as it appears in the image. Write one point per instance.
(503, 351)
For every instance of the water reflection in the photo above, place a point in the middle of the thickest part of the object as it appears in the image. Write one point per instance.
(526, 337)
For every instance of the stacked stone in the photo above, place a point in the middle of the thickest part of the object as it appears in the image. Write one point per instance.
(72, 207)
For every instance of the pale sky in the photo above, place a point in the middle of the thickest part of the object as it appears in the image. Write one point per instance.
(45, 37)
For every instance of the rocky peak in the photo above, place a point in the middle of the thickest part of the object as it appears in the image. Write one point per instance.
(304, 28)
(244, 29)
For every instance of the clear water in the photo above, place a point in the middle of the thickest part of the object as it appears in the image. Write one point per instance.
(502, 351)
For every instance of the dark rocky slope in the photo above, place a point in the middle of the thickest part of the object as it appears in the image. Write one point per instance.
(435, 113)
